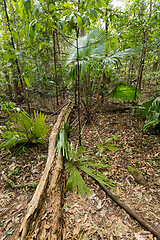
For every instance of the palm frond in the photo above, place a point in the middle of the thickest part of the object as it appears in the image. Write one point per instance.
(124, 92)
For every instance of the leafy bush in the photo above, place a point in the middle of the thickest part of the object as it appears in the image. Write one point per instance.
(153, 115)
(150, 111)
(23, 128)
(74, 163)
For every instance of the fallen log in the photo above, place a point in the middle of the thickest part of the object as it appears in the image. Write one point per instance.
(43, 217)
(133, 214)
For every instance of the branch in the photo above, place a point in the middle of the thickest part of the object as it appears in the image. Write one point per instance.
(128, 210)
(13, 185)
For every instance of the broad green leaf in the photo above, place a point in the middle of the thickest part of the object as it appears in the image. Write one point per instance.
(52, 7)
(32, 28)
(100, 147)
(124, 91)
(26, 81)
(79, 21)
(92, 14)
(111, 147)
(7, 56)
(27, 5)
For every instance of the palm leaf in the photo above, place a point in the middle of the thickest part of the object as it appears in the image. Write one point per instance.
(75, 181)
(124, 92)
(40, 128)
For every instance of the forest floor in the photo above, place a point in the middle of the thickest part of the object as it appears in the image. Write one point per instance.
(96, 217)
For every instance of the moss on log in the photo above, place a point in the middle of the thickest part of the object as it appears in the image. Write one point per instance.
(138, 177)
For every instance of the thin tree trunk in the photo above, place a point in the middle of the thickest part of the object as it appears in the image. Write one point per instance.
(62, 80)
(12, 42)
(145, 38)
(78, 82)
(104, 77)
(55, 67)
(21, 68)
(8, 83)
(141, 68)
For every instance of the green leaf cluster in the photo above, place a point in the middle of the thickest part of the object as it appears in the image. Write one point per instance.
(149, 110)
(62, 141)
(153, 115)
(24, 129)
(107, 144)
(77, 164)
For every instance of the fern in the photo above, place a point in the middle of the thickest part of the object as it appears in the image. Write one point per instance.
(75, 163)
(40, 128)
(75, 181)
(25, 129)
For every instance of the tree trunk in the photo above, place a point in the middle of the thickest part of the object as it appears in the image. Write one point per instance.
(12, 43)
(21, 67)
(8, 83)
(43, 218)
(55, 67)
(78, 82)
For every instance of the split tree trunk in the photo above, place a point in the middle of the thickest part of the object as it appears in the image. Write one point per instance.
(43, 219)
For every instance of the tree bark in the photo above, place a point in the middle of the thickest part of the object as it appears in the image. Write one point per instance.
(12, 42)
(6, 74)
(44, 213)
(55, 67)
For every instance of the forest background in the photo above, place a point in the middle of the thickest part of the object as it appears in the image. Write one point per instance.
(86, 52)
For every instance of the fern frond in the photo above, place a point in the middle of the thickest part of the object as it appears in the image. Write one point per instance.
(40, 128)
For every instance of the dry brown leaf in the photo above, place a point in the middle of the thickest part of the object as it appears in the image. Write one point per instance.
(139, 237)
(47, 226)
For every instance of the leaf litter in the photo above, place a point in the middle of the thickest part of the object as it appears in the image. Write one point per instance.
(104, 219)
(95, 217)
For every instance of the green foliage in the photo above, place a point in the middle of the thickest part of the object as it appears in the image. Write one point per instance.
(150, 111)
(76, 164)
(153, 115)
(62, 141)
(24, 129)
(143, 109)
(124, 92)
(75, 181)
(107, 144)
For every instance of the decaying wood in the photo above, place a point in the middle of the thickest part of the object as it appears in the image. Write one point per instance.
(13, 185)
(133, 214)
(43, 215)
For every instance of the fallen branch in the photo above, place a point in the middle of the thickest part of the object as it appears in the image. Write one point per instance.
(13, 185)
(47, 112)
(49, 182)
(128, 210)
